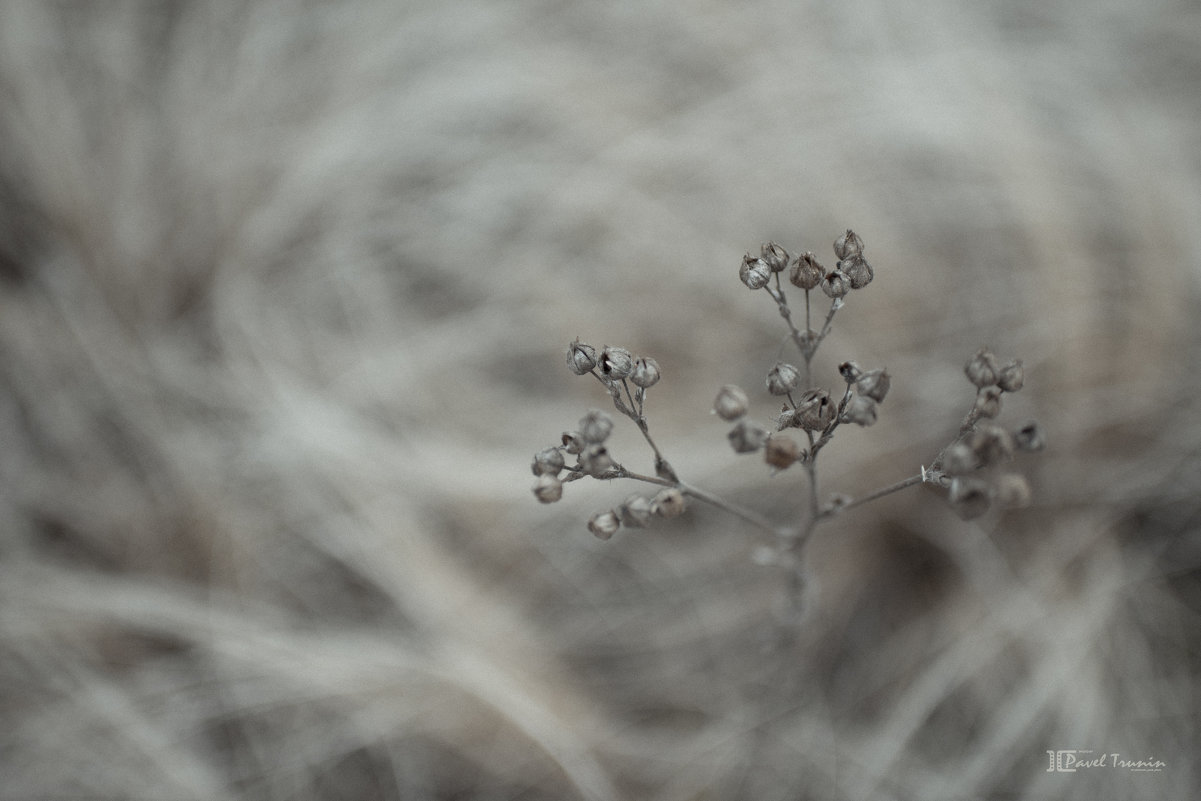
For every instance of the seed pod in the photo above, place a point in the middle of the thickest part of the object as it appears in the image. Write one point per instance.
(731, 402)
(1030, 437)
(969, 497)
(836, 284)
(787, 418)
(959, 459)
(981, 369)
(595, 461)
(806, 273)
(850, 372)
(781, 452)
(1011, 377)
(604, 525)
(874, 384)
(815, 411)
(548, 488)
(596, 426)
(858, 271)
(754, 272)
(861, 411)
(645, 373)
(635, 512)
(615, 363)
(848, 245)
(774, 256)
(574, 442)
(991, 444)
(782, 379)
(988, 402)
(581, 358)
(548, 461)
(1013, 491)
(746, 437)
(668, 503)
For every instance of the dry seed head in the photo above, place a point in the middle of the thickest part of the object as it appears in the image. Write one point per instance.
(836, 284)
(969, 497)
(988, 402)
(1012, 491)
(959, 459)
(581, 358)
(548, 461)
(604, 525)
(615, 363)
(595, 461)
(746, 437)
(850, 372)
(645, 373)
(874, 384)
(774, 256)
(636, 511)
(574, 442)
(1011, 377)
(781, 452)
(806, 273)
(861, 411)
(1030, 437)
(731, 402)
(782, 379)
(815, 411)
(981, 369)
(991, 444)
(848, 245)
(668, 503)
(858, 271)
(595, 426)
(754, 272)
(548, 488)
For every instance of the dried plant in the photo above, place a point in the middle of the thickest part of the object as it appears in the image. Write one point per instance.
(972, 469)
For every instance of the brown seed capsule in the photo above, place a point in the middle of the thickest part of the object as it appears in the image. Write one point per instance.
(988, 402)
(636, 511)
(861, 411)
(595, 461)
(645, 373)
(668, 503)
(981, 369)
(781, 452)
(959, 459)
(815, 411)
(754, 272)
(782, 379)
(596, 426)
(574, 442)
(548, 461)
(774, 256)
(604, 525)
(836, 284)
(1012, 491)
(731, 403)
(858, 271)
(807, 272)
(1030, 437)
(581, 358)
(992, 444)
(615, 363)
(969, 497)
(850, 372)
(1011, 377)
(746, 437)
(848, 245)
(548, 488)
(874, 384)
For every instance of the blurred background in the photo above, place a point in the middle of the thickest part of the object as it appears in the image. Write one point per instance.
(285, 290)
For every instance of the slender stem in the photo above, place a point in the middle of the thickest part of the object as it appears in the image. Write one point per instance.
(754, 518)
(880, 493)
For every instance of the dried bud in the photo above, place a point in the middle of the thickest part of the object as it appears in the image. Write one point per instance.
(782, 379)
(781, 452)
(754, 272)
(595, 461)
(548, 462)
(959, 459)
(581, 358)
(991, 444)
(861, 411)
(731, 402)
(850, 372)
(988, 402)
(645, 373)
(636, 511)
(807, 273)
(848, 245)
(548, 488)
(815, 411)
(746, 437)
(615, 363)
(874, 384)
(1013, 491)
(788, 418)
(981, 369)
(604, 524)
(774, 256)
(668, 503)
(969, 497)
(595, 426)
(1012, 376)
(858, 271)
(574, 442)
(1030, 437)
(836, 284)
